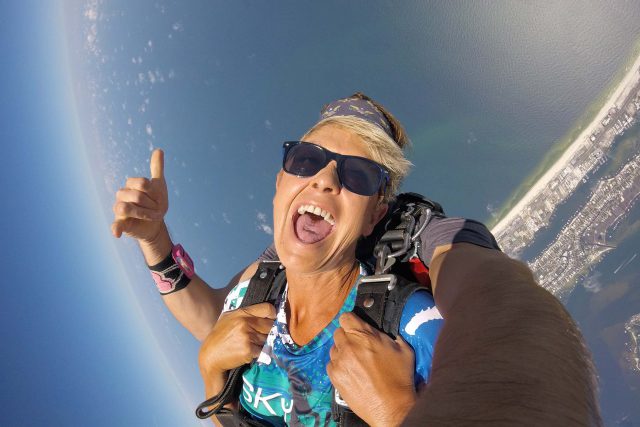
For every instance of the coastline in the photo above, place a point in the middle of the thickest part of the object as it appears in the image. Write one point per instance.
(629, 81)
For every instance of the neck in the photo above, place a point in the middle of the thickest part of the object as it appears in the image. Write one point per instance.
(313, 299)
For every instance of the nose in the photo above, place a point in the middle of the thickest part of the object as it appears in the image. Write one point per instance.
(326, 180)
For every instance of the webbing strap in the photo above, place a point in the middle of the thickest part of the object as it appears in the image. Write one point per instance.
(379, 302)
(262, 287)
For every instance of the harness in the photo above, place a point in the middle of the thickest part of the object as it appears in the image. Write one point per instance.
(380, 297)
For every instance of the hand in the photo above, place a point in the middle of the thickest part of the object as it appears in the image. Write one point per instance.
(236, 339)
(141, 205)
(372, 372)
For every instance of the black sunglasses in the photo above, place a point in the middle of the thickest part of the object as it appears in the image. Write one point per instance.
(357, 174)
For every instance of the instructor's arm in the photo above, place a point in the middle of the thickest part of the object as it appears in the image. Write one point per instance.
(139, 211)
(508, 353)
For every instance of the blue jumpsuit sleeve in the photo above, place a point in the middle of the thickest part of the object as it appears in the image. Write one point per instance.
(420, 325)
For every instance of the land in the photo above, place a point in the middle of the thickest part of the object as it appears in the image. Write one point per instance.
(632, 328)
(583, 240)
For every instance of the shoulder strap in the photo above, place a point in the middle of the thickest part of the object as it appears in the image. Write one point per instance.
(379, 301)
(265, 285)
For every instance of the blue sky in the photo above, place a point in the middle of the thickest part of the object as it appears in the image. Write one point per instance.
(87, 341)
(76, 349)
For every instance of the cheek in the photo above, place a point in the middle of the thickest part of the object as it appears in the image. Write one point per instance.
(286, 190)
(359, 214)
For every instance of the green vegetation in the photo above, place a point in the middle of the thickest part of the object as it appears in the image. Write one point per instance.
(563, 143)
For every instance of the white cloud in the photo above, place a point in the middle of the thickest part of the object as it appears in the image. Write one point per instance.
(267, 124)
(225, 217)
(262, 223)
(266, 229)
(593, 283)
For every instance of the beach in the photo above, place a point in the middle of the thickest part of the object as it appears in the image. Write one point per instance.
(628, 83)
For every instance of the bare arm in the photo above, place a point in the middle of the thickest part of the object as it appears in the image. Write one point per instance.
(508, 354)
(198, 306)
(139, 209)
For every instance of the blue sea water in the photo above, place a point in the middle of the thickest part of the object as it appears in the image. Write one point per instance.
(485, 89)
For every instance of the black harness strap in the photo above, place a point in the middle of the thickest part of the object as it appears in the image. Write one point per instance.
(265, 285)
(379, 302)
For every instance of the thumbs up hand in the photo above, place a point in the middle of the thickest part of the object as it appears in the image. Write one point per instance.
(141, 205)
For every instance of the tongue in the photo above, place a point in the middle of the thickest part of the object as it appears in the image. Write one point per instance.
(312, 228)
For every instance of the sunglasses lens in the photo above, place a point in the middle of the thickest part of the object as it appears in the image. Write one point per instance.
(304, 160)
(357, 174)
(360, 176)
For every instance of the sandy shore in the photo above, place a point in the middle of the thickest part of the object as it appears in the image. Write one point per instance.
(629, 82)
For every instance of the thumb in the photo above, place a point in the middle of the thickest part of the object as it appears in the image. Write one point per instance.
(264, 309)
(157, 164)
(351, 322)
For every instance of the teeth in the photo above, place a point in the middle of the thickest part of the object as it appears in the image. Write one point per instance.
(317, 211)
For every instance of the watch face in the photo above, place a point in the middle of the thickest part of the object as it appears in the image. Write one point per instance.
(183, 260)
(183, 264)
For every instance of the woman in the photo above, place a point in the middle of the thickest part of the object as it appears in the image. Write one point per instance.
(333, 189)
(504, 333)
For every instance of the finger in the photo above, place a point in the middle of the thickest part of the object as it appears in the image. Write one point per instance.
(121, 226)
(116, 229)
(339, 337)
(256, 349)
(136, 197)
(157, 164)
(352, 323)
(261, 325)
(265, 310)
(256, 341)
(333, 353)
(330, 371)
(404, 345)
(125, 210)
(140, 184)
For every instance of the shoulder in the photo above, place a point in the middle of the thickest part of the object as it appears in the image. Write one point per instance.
(420, 326)
(249, 272)
(235, 297)
(420, 315)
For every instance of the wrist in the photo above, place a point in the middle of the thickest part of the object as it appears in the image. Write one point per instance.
(214, 380)
(397, 412)
(174, 272)
(158, 247)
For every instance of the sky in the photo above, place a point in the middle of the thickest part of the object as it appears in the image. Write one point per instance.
(484, 94)
(76, 349)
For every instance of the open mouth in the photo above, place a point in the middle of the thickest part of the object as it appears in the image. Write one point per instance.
(312, 224)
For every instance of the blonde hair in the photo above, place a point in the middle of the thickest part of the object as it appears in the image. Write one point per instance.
(381, 147)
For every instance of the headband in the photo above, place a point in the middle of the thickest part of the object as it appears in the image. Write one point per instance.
(360, 108)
